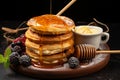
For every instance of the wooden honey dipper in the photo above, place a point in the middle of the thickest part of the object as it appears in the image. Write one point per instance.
(87, 51)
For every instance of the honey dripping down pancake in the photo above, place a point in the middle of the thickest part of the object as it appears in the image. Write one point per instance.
(51, 59)
(49, 39)
(48, 49)
(36, 56)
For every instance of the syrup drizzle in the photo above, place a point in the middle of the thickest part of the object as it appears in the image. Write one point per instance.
(40, 54)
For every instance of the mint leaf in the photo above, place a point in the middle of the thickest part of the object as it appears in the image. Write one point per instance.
(5, 59)
(7, 53)
(1, 58)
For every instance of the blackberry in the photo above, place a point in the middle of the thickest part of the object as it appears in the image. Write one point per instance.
(19, 43)
(13, 44)
(73, 62)
(25, 60)
(16, 49)
(14, 58)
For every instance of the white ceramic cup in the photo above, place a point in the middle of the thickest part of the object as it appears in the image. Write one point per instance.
(93, 35)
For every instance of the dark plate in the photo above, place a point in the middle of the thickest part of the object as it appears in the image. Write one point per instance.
(97, 63)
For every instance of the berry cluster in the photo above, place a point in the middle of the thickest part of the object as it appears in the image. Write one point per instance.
(18, 56)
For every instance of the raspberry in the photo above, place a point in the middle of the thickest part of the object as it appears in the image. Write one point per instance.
(22, 39)
(25, 60)
(14, 58)
(17, 39)
(73, 62)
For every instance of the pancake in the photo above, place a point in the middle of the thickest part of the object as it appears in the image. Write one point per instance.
(50, 58)
(46, 52)
(49, 39)
(39, 38)
(65, 53)
(51, 24)
(49, 49)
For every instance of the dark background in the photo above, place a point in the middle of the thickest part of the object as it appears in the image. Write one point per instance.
(81, 10)
(106, 11)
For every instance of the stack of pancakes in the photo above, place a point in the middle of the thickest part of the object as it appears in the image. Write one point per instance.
(49, 39)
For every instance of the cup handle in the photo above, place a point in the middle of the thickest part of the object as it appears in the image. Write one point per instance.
(106, 35)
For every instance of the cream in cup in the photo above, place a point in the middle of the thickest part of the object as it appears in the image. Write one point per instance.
(85, 34)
